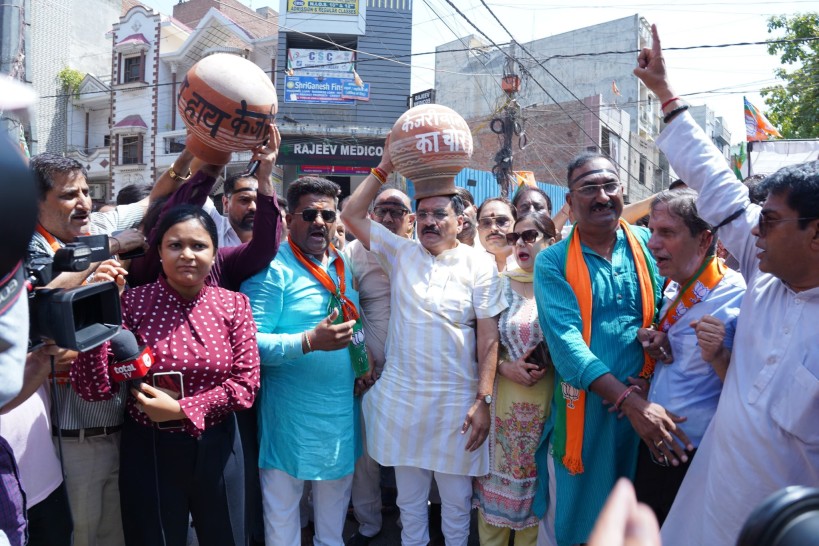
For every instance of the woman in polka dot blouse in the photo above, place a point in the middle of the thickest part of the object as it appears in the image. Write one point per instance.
(181, 454)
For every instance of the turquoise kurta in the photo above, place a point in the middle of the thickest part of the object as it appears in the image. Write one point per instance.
(609, 444)
(308, 418)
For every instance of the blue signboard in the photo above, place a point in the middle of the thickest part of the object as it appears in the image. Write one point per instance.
(353, 91)
(316, 90)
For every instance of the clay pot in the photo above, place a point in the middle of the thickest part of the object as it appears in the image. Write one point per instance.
(430, 144)
(226, 102)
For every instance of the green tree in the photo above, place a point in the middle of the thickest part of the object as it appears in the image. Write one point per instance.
(793, 108)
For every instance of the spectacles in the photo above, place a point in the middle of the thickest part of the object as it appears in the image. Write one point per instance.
(396, 212)
(437, 215)
(310, 215)
(529, 236)
(500, 221)
(765, 223)
(611, 188)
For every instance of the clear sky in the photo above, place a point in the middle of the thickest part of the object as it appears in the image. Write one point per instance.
(717, 77)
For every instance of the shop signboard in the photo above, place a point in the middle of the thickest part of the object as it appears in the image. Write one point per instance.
(323, 7)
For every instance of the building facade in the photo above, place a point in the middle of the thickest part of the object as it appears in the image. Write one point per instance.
(575, 95)
(127, 130)
(344, 80)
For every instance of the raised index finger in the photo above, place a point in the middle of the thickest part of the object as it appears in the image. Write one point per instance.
(655, 41)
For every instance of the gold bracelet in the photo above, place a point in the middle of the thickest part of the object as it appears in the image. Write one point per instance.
(176, 177)
(307, 342)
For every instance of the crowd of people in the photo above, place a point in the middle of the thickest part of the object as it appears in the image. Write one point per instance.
(504, 357)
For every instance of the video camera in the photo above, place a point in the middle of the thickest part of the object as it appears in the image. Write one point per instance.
(79, 318)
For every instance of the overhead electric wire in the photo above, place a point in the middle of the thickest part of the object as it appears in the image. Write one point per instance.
(559, 82)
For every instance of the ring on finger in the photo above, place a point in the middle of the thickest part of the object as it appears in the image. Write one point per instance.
(659, 443)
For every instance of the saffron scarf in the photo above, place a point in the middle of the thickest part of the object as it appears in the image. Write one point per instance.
(571, 406)
(707, 277)
(348, 309)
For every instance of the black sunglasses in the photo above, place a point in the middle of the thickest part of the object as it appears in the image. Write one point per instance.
(529, 236)
(310, 215)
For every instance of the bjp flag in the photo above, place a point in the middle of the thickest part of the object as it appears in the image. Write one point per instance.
(525, 178)
(757, 126)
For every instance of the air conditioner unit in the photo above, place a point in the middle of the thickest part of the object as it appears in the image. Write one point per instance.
(97, 191)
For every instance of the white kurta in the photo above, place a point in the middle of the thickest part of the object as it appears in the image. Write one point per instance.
(764, 435)
(415, 411)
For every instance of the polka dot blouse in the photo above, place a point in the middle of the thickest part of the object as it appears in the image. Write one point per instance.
(210, 339)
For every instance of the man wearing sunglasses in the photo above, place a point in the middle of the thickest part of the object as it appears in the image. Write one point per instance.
(594, 290)
(428, 414)
(306, 307)
(391, 209)
(763, 436)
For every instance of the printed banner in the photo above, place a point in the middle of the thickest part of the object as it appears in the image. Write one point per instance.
(316, 62)
(324, 7)
(315, 90)
(358, 92)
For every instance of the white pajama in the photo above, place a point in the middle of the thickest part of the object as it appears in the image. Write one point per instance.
(413, 494)
(281, 494)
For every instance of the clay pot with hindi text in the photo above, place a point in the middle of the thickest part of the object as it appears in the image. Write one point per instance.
(430, 144)
(226, 102)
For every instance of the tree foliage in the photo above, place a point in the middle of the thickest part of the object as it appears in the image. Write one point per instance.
(793, 108)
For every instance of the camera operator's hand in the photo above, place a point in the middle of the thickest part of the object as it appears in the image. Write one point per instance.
(625, 522)
(111, 270)
(62, 357)
(126, 241)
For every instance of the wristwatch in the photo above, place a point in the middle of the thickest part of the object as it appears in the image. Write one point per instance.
(485, 397)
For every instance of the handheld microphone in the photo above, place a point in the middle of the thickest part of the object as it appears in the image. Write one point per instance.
(132, 361)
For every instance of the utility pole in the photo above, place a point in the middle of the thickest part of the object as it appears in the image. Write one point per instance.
(508, 124)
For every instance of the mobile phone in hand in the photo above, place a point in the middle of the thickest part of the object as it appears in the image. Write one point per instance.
(172, 384)
(540, 356)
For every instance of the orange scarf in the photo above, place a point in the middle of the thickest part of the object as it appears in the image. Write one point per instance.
(348, 309)
(55, 245)
(571, 413)
(707, 277)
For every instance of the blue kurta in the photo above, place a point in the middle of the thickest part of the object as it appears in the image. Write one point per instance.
(609, 444)
(308, 418)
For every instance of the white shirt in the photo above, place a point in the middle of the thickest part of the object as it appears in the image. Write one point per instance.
(27, 429)
(227, 235)
(374, 297)
(689, 386)
(415, 411)
(764, 435)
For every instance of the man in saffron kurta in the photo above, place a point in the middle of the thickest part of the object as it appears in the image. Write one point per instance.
(592, 335)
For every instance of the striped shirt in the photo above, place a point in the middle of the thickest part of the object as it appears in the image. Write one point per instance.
(74, 412)
(415, 411)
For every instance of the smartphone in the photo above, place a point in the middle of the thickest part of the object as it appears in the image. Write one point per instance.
(250, 170)
(172, 384)
(540, 356)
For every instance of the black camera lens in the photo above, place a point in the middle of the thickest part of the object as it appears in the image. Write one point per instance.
(789, 517)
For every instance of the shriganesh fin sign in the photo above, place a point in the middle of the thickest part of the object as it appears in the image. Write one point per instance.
(324, 7)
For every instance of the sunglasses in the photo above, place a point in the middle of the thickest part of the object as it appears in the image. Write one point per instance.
(396, 212)
(529, 236)
(500, 221)
(765, 223)
(610, 188)
(310, 215)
